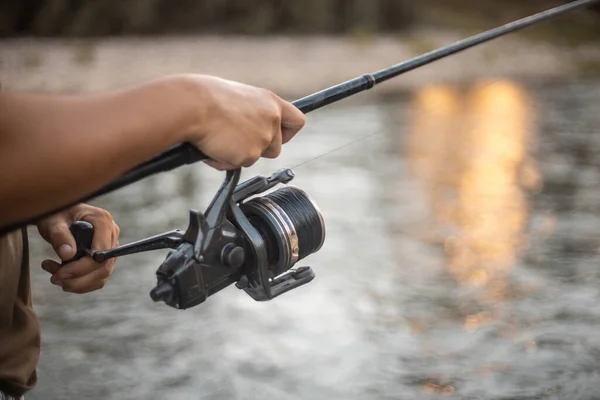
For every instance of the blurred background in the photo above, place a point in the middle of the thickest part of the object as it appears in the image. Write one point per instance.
(462, 254)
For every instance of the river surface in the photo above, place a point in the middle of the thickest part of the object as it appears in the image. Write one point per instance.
(462, 261)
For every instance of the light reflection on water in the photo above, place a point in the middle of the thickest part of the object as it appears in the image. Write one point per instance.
(470, 150)
(460, 262)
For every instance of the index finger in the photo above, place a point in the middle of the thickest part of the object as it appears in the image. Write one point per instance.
(292, 121)
(103, 231)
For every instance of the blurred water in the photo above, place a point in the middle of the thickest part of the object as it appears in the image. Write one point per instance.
(461, 261)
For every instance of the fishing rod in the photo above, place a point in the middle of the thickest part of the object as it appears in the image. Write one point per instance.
(244, 236)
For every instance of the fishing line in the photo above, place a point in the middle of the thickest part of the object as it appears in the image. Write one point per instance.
(376, 133)
(360, 139)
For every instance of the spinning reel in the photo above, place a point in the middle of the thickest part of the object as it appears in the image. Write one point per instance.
(245, 237)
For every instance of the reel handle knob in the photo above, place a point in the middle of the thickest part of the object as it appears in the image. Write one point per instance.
(162, 292)
(83, 232)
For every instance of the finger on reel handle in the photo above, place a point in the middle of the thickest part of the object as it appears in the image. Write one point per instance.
(83, 232)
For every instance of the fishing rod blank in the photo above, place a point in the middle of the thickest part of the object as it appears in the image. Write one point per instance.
(367, 81)
(185, 153)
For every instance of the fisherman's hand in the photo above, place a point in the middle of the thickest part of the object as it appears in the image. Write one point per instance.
(83, 275)
(238, 124)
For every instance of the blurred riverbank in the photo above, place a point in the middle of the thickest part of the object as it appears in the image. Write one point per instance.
(290, 66)
(74, 18)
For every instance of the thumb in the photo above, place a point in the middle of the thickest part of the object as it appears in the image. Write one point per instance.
(63, 243)
(292, 121)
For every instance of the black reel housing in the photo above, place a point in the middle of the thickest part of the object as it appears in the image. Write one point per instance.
(254, 244)
(242, 238)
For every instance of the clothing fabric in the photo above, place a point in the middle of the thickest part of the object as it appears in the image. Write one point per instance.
(20, 335)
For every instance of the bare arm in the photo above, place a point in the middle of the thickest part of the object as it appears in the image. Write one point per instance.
(55, 149)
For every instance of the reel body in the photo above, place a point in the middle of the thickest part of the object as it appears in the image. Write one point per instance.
(244, 238)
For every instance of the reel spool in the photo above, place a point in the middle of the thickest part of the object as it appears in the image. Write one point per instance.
(290, 223)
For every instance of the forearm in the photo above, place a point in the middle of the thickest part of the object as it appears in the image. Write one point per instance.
(56, 149)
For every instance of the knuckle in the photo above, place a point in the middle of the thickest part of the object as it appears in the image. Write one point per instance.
(265, 141)
(272, 106)
(276, 115)
(95, 213)
(105, 214)
(81, 208)
(269, 94)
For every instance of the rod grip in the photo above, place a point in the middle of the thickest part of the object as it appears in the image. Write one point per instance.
(83, 232)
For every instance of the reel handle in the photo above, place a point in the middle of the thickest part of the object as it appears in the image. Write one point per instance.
(83, 232)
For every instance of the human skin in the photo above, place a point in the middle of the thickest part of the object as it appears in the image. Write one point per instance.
(84, 275)
(55, 149)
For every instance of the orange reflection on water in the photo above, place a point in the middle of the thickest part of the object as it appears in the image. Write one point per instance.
(470, 151)
(431, 150)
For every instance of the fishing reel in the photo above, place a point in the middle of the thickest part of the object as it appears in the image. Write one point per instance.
(245, 237)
